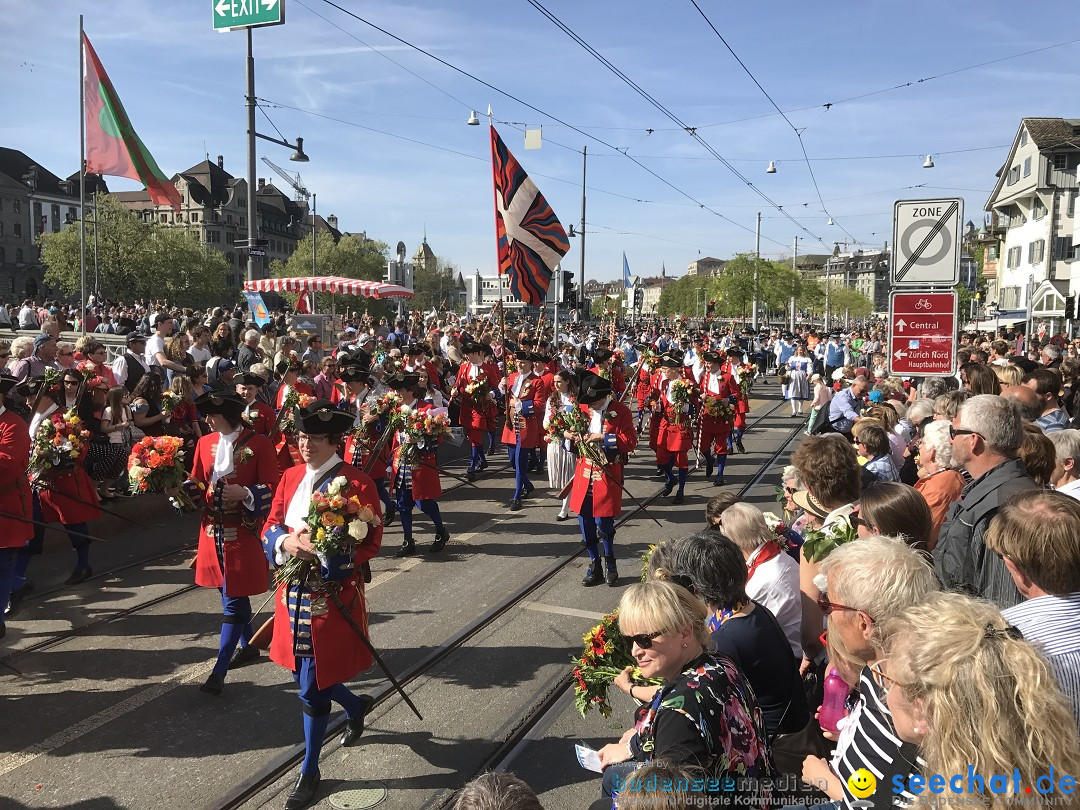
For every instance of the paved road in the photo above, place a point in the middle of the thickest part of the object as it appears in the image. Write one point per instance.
(112, 717)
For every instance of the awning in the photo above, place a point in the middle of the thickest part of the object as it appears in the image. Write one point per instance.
(330, 284)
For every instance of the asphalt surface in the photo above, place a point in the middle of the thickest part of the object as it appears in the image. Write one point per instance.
(110, 716)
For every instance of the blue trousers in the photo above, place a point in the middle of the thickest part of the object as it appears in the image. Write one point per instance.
(316, 704)
(405, 505)
(235, 629)
(596, 530)
(8, 557)
(519, 460)
(384, 496)
(78, 534)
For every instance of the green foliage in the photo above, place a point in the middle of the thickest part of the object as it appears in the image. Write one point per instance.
(437, 287)
(136, 259)
(350, 257)
(602, 303)
(683, 297)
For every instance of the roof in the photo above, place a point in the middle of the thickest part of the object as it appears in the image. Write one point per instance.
(208, 183)
(1048, 133)
(712, 260)
(16, 165)
(134, 197)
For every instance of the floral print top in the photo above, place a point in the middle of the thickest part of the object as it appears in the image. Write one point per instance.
(708, 717)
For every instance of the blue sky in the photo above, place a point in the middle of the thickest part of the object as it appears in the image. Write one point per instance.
(183, 86)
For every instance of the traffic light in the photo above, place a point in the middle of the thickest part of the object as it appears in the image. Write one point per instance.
(1070, 307)
(567, 286)
(639, 298)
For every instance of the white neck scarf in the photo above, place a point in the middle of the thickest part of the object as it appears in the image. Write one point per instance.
(223, 456)
(297, 512)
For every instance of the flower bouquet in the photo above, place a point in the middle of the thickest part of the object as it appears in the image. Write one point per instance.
(423, 432)
(290, 404)
(386, 404)
(509, 364)
(59, 443)
(156, 464)
(605, 655)
(719, 407)
(787, 539)
(477, 389)
(563, 421)
(820, 543)
(338, 522)
(169, 403)
(679, 394)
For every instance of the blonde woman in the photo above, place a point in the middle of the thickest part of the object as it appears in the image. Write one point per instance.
(966, 687)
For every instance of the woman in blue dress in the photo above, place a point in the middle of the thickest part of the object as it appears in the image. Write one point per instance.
(798, 387)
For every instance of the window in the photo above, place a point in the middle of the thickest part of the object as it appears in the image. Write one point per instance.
(1010, 298)
(992, 253)
(18, 256)
(1036, 251)
(213, 236)
(194, 216)
(1023, 137)
(228, 219)
(1061, 162)
(16, 206)
(230, 238)
(230, 280)
(1027, 167)
(71, 215)
(164, 217)
(230, 258)
(1, 228)
(241, 222)
(1013, 258)
(1062, 247)
(1072, 204)
(2, 257)
(1014, 175)
(1038, 209)
(16, 230)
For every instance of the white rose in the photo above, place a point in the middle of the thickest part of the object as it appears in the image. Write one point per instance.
(358, 530)
(337, 485)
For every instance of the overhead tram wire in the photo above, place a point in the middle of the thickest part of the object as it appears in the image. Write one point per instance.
(558, 120)
(691, 131)
(795, 129)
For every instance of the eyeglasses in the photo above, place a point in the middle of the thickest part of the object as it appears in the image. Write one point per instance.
(828, 607)
(65, 354)
(644, 640)
(883, 681)
(71, 382)
(954, 432)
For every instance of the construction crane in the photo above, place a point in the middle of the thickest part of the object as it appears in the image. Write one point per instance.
(297, 184)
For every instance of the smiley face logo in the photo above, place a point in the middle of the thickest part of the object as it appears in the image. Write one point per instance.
(862, 783)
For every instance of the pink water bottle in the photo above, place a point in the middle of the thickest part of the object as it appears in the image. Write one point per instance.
(834, 702)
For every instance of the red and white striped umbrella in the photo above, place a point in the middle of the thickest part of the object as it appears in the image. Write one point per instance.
(330, 284)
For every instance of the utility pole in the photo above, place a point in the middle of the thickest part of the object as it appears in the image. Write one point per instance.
(252, 231)
(757, 260)
(794, 282)
(583, 304)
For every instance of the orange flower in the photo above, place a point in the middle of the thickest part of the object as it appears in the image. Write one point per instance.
(154, 461)
(328, 519)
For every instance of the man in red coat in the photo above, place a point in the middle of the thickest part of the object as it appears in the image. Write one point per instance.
(416, 483)
(368, 428)
(596, 495)
(477, 416)
(320, 607)
(15, 499)
(674, 439)
(716, 386)
(232, 478)
(256, 413)
(526, 397)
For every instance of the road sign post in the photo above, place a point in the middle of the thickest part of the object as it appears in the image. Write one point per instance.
(232, 14)
(926, 242)
(922, 333)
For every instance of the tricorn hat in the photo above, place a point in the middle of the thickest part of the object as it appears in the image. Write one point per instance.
(228, 403)
(321, 418)
(250, 378)
(402, 381)
(593, 388)
(354, 373)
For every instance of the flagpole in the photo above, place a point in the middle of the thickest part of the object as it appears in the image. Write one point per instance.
(82, 176)
(495, 201)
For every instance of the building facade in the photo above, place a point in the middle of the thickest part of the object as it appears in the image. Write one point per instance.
(1035, 200)
(707, 266)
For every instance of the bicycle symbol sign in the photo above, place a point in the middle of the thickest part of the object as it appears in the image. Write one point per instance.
(926, 242)
(922, 303)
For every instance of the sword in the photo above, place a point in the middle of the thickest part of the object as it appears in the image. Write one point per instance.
(80, 502)
(597, 461)
(336, 599)
(44, 525)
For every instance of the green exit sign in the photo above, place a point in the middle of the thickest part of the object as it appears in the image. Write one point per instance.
(230, 14)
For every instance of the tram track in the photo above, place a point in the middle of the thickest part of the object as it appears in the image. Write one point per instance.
(86, 629)
(284, 763)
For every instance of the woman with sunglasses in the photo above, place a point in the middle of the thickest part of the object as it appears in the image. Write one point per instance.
(975, 697)
(704, 714)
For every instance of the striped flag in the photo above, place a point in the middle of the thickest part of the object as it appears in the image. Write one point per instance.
(531, 240)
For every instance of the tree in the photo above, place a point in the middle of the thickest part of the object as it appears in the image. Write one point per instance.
(437, 288)
(136, 259)
(683, 297)
(600, 305)
(352, 256)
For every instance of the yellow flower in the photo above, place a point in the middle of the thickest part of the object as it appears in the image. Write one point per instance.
(320, 534)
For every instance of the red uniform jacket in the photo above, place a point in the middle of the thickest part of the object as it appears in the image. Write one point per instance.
(618, 382)
(526, 423)
(15, 496)
(619, 438)
(477, 416)
(358, 454)
(245, 569)
(339, 654)
(426, 484)
(299, 387)
(674, 425)
(261, 417)
(644, 383)
(67, 495)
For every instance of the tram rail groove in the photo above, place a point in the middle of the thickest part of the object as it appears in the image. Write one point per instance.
(85, 629)
(286, 762)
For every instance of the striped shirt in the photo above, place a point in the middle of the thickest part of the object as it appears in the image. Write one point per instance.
(873, 745)
(1052, 623)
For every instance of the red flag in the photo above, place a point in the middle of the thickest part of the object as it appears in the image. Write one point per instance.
(531, 239)
(303, 303)
(112, 145)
